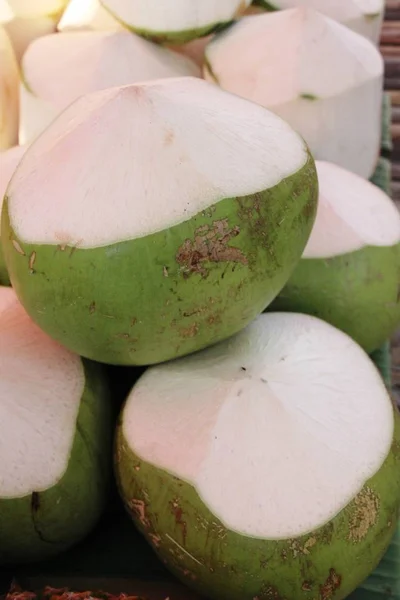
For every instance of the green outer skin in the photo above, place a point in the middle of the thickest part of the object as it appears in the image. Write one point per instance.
(326, 564)
(358, 293)
(37, 528)
(265, 4)
(135, 303)
(171, 37)
(4, 279)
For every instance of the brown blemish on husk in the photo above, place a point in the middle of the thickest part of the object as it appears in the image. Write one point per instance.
(32, 259)
(328, 589)
(306, 587)
(364, 515)
(92, 308)
(210, 244)
(18, 248)
(189, 332)
(177, 512)
(297, 548)
(269, 593)
(138, 508)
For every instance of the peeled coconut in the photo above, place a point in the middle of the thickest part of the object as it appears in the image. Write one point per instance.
(87, 14)
(194, 50)
(30, 19)
(176, 21)
(281, 60)
(59, 68)
(54, 440)
(9, 81)
(277, 454)
(349, 274)
(163, 217)
(363, 16)
(9, 160)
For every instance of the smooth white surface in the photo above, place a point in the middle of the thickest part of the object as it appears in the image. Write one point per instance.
(318, 75)
(127, 162)
(174, 15)
(352, 213)
(9, 160)
(36, 8)
(9, 79)
(290, 418)
(87, 14)
(41, 386)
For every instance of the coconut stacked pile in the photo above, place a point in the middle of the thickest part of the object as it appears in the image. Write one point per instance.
(186, 194)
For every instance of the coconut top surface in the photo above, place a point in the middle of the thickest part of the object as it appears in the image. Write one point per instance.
(9, 160)
(175, 15)
(59, 68)
(290, 418)
(86, 13)
(341, 10)
(352, 214)
(36, 8)
(162, 151)
(284, 55)
(41, 386)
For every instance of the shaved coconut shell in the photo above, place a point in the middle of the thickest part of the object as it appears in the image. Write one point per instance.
(362, 16)
(265, 447)
(9, 80)
(23, 31)
(60, 68)
(9, 160)
(87, 14)
(195, 50)
(177, 21)
(213, 200)
(54, 442)
(280, 61)
(350, 271)
(37, 8)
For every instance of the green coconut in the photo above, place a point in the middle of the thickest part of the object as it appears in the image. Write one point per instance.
(177, 21)
(281, 59)
(9, 160)
(162, 217)
(91, 61)
(55, 435)
(349, 274)
(267, 466)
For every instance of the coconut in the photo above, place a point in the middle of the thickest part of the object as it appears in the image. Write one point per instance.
(9, 80)
(163, 217)
(177, 21)
(281, 59)
(349, 274)
(9, 160)
(91, 61)
(278, 456)
(195, 49)
(30, 19)
(87, 14)
(363, 16)
(54, 442)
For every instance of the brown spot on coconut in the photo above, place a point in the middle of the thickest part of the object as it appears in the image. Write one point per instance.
(55, 440)
(9, 81)
(87, 14)
(178, 21)
(349, 273)
(362, 16)
(131, 211)
(280, 60)
(91, 61)
(9, 160)
(290, 470)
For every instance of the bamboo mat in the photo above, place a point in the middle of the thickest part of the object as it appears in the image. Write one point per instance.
(390, 48)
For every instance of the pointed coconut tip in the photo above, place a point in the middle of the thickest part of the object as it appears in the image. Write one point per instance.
(290, 417)
(352, 214)
(183, 20)
(242, 58)
(41, 386)
(176, 146)
(87, 14)
(95, 60)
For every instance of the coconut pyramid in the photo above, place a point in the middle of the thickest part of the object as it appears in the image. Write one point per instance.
(199, 276)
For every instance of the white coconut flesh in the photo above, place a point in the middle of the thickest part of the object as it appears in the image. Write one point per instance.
(314, 45)
(9, 160)
(87, 14)
(198, 136)
(59, 68)
(175, 16)
(36, 8)
(41, 387)
(352, 214)
(290, 417)
(9, 81)
(6, 14)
